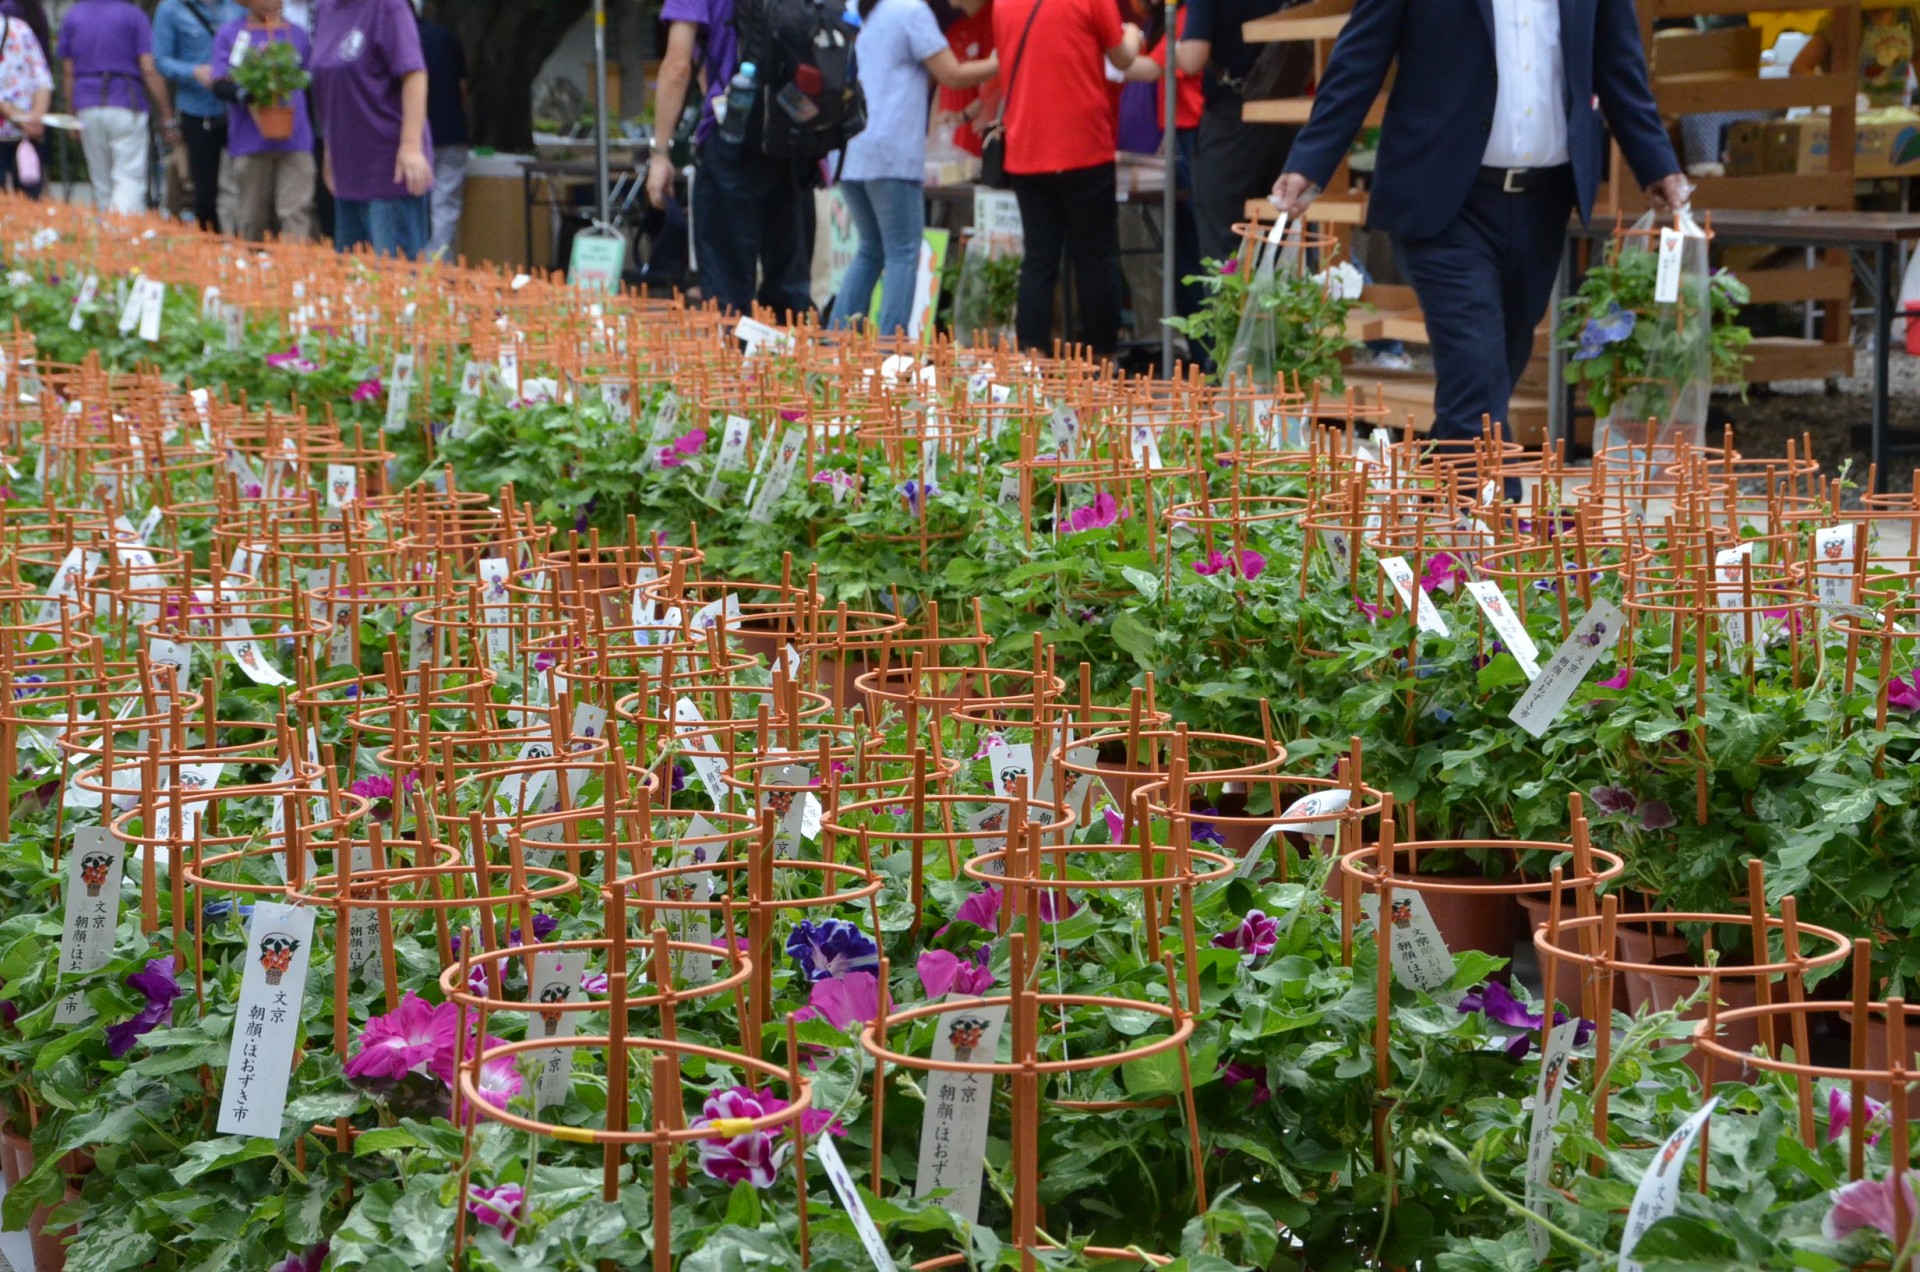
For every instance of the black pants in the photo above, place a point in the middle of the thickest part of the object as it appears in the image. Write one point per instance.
(10, 172)
(1074, 212)
(1233, 161)
(1483, 282)
(206, 139)
(753, 228)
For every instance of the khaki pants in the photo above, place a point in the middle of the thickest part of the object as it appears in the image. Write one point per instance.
(274, 190)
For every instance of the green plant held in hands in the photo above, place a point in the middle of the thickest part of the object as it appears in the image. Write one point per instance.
(1308, 313)
(1621, 337)
(271, 73)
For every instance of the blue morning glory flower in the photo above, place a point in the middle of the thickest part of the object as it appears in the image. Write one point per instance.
(830, 949)
(1610, 328)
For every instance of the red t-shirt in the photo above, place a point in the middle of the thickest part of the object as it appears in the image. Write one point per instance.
(1060, 106)
(1190, 91)
(972, 37)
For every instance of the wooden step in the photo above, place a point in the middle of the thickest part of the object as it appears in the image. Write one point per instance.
(1791, 358)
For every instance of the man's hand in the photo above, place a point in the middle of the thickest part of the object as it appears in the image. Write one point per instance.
(659, 179)
(1132, 39)
(1670, 193)
(1293, 192)
(411, 169)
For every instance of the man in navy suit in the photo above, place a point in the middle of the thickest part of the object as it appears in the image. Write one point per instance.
(1492, 135)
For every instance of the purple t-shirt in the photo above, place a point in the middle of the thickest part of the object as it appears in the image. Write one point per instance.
(720, 56)
(361, 51)
(105, 40)
(243, 135)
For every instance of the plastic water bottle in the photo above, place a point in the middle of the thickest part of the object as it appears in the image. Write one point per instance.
(741, 91)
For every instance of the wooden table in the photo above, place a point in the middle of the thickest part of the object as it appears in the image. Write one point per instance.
(1879, 234)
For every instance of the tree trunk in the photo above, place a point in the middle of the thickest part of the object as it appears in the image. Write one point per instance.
(506, 42)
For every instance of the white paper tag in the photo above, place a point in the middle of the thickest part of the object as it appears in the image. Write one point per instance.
(556, 979)
(733, 453)
(343, 485)
(702, 751)
(1512, 632)
(1427, 614)
(1336, 545)
(786, 788)
(1012, 763)
(691, 927)
(494, 599)
(1659, 1189)
(953, 1130)
(150, 311)
(1547, 696)
(1420, 955)
(758, 336)
(399, 394)
(1250, 863)
(786, 457)
(136, 301)
(508, 362)
(246, 652)
(1543, 1135)
(1833, 565)
(851, 1201)
(1666, 278)
(94, 874)
(253, 1098)
(89, 288)
(1729, 573)
(175, 654)
(1323, 804)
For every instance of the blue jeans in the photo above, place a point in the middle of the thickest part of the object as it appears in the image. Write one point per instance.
(395, 227)
(890, 214)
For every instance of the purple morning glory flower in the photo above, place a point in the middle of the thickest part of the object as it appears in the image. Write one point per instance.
(1494, 1001)
(829, 948)
(1655, 814)
(1613, 799)
(1610, 328)
(156, 982)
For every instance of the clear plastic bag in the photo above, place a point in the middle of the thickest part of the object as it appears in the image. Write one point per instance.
(1664, 402)
(989, 287)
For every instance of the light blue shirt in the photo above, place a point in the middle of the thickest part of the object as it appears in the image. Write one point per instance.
(181, 42)
(895, 41)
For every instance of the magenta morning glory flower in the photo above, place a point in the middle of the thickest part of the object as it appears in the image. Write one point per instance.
(1840, 1115)
(1443, 572)
(500, 1079)
(1494, 1001)
(369, 390)
(156, 982)
(687, 445)
(831, 947)
(1233, 1073)
(753, 1156)
(1867, 1203)
(843, 1001)
(1619, 679)
(497, 1207)
(311, 1260)
(1102, 512)
(407, 1038)
(1230, 267)
(594, 982)
(1903, 693)
(1256, 935)
(290, 361)
(943, 972)
(1655, 814)
(1116, 824)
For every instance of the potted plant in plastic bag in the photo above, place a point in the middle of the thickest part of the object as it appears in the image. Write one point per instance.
(1650, 360)
(269, 76)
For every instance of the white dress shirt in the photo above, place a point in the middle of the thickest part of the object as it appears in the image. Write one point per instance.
(1530, 109)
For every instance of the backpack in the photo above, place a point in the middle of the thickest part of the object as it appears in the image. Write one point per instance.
(810, 103)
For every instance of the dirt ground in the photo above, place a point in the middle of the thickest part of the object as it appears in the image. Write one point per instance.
(1834, 416)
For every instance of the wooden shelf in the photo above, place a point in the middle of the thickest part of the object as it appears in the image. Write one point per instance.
(1790, 358)
(1316, 20)
(1704, 93)
(1784, 286)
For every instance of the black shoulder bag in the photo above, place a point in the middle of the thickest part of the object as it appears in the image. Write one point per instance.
(993, 146)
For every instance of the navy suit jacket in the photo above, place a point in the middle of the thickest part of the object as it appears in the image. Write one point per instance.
(1440, 110)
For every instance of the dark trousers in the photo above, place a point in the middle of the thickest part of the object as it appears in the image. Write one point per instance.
(10, 172)
(205, 138)
(1188, 297)
(1483, 283)
(752, 228)
(1071, 212)
(1233, 161)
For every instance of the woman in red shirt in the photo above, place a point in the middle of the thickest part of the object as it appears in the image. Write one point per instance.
(1059, 116)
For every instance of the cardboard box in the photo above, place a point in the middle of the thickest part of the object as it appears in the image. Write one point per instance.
(1797, 145)
(1747, 149)
(1887, 150)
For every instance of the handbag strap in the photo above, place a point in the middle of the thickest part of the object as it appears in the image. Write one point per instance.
(1019, 51)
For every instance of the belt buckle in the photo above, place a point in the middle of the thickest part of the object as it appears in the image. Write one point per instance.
(1506, 182)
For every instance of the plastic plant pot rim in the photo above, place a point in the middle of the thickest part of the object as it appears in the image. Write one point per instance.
(1784, 1012)
(1805, 963)
(1351, 867)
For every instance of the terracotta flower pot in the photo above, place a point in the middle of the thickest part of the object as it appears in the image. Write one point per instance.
(275, 122)
(1640, 945)
(1472, 918)
(1566, 977)
(1665, 992)
(50, 1247)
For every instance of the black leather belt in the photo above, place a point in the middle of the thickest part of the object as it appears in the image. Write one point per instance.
(1523, 180)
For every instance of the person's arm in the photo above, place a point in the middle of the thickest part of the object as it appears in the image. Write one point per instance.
(66, 78)
(1626, 97)
(157, 87)
(669, 99)
(410, 166)
(1196, 38)
(1145, 70)
(166, 47)
(1123, 54)
(1356, 69)
(42, 80)
(1192, 56)
(949, 71)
